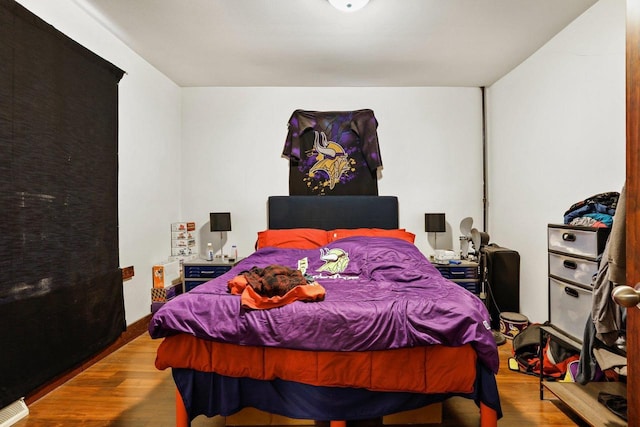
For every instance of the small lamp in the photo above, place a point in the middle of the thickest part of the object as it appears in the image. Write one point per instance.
(435, 223)
(220, 221)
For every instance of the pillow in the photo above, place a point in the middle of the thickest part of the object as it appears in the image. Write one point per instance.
(399, 233)
(301, 238)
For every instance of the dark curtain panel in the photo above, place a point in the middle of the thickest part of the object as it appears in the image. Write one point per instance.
(61, 297)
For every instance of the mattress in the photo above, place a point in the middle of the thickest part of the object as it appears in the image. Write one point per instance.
(387, 296)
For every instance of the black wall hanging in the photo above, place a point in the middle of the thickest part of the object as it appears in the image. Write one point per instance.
(333, 153)
(61, 297)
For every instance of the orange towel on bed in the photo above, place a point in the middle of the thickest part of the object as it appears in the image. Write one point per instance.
(430, 369)
(251, 299)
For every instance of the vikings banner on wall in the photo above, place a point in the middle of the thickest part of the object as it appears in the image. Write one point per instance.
(333, 153)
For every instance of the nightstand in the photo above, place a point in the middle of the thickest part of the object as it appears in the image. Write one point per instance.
(199, 271)
(465, 274)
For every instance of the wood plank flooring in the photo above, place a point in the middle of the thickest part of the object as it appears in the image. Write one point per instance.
(125, 389)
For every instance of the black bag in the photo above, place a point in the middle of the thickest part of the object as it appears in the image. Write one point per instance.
(500, 268)
(526, 354)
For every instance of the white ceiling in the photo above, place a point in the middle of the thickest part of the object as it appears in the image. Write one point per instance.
(308, 43)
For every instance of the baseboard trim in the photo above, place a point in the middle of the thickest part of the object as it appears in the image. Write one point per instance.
(133, 331)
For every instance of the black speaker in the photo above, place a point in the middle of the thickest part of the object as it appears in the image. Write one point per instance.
(500, 268)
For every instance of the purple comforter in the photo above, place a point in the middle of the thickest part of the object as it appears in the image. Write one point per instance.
(381, 293)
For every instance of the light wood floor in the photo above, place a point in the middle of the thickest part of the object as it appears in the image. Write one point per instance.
(125, 389)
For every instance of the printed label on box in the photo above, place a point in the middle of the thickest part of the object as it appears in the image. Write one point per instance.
(183, 226)
(183, 243)
(183, 235)
(182, 251)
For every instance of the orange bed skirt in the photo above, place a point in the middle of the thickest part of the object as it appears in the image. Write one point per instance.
(431, 369)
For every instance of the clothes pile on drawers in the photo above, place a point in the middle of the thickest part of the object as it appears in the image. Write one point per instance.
(594, 211)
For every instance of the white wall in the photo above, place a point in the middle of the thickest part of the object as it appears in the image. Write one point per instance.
(149, 149)
(430, 142)
(556, 135)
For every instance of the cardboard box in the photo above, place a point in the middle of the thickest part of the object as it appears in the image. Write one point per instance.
(183, 251)
(182, 258)
(183, 243)
(183, 235)
(155, 306)
(183, 226)
(165, 294)
(166, 273)
(430, 414)
(255, 417)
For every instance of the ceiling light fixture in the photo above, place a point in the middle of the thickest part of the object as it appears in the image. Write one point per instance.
(348, 5)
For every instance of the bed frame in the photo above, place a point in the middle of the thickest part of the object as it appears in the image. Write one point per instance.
(328, 213)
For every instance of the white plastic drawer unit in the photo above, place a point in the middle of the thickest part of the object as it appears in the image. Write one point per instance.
(576, 270)
(578, 241)
(569, 307)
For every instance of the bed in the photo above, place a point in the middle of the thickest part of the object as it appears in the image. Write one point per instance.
(374, 330)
